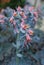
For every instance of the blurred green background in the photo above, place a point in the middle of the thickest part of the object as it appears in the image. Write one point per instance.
(12, 3)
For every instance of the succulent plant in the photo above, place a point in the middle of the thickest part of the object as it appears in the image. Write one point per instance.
(17, 27)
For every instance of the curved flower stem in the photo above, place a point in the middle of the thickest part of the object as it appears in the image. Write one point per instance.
(17, 51)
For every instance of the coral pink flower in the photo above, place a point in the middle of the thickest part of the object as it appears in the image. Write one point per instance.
(30, 32)
(24, 26)
(11, 19)
(28, 37)
(19, 8)
(36, 14)
(14, 14)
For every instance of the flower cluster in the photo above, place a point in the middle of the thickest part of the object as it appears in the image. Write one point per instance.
(20, 21)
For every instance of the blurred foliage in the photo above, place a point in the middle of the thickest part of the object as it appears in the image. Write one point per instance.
(13, 3)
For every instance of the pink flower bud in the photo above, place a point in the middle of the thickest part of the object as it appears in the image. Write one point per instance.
(36, 14)
(19, 8)
(28, 38)
(24, 26)
(30, 32)
(11, 19)
(14, 14)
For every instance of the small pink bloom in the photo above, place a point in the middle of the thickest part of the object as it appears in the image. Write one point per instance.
(22, 23)
(11, 19)
(28, 38)
(24, 26)
(19, 8)
(36, 14)
(14, 14)
(30, 32)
